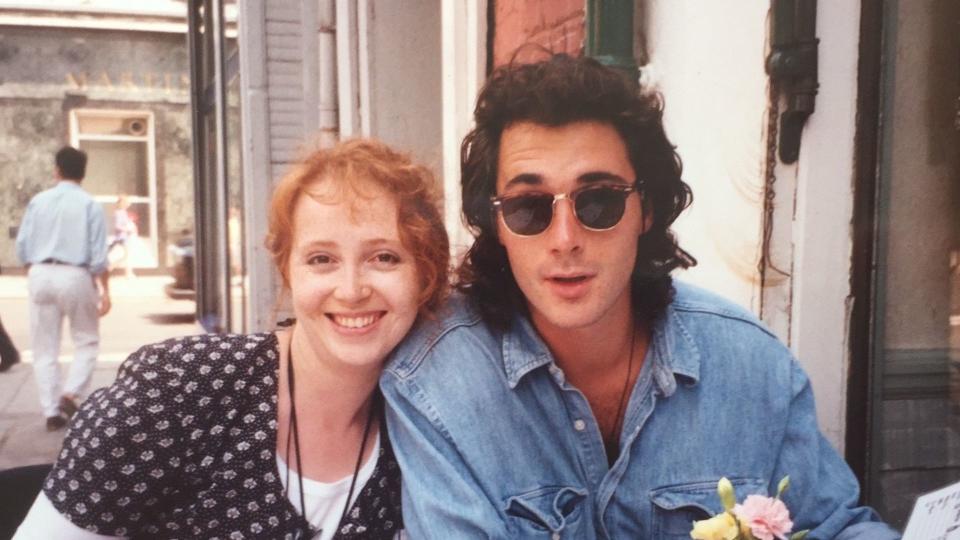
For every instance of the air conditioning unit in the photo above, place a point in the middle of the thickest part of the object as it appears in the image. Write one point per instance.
(135, 126)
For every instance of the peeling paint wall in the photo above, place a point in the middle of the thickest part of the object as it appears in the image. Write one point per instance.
(557, 25)
(45, 73)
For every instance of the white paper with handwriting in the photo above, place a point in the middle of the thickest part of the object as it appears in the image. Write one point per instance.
(936, 516)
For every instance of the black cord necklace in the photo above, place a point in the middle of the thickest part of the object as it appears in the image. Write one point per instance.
(293, 428)
(618, 421)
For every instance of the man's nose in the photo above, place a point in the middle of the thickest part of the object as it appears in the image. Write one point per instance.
(565, 233)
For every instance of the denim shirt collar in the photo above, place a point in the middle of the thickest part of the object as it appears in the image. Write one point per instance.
(673, 352)
(523, 350)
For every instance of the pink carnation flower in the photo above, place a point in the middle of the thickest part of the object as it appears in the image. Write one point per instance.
(765, 516)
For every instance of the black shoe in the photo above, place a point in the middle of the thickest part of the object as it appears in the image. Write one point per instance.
(68, 406)
(8, 360)
(56, 422)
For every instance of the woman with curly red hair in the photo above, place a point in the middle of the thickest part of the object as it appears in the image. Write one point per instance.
(277, 434)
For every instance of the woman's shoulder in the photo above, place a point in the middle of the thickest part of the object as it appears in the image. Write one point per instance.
(204, 354)
(209, 343)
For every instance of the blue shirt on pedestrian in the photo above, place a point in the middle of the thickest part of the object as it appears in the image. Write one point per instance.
(495, 443)
(64, 223)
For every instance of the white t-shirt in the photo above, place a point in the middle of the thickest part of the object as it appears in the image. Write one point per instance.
(325, 500)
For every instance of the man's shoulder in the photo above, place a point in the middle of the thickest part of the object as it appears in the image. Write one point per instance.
(694, 303)
(78, 194)
(456, 328)
(723, 335)
(42, 196)
(82, 194)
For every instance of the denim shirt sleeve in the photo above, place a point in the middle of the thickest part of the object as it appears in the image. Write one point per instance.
(441, 497)
(823, 492)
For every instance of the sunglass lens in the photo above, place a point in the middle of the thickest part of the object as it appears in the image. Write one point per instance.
(527, 214)
(600, 208)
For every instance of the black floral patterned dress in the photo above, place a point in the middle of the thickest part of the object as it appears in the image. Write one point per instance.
(183, 445)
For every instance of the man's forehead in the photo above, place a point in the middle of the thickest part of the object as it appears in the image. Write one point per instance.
(582, 152)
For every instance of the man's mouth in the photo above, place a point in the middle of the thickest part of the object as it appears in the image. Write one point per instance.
(570, 279)
(570, 286)
(356, 321)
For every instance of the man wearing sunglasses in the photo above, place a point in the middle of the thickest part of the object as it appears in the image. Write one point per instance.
(574, 389)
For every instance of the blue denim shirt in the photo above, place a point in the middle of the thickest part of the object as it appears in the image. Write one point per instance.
(494, 443)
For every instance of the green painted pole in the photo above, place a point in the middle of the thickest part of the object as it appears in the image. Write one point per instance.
(609, 36)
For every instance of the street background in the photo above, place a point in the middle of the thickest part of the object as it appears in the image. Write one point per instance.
(141, 314)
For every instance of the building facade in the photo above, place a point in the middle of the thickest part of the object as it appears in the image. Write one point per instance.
(115, 84)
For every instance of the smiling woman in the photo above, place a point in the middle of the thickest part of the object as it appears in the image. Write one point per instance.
(279, 433)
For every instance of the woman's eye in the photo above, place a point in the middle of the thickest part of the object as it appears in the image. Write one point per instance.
(319, 259)
(386, 258)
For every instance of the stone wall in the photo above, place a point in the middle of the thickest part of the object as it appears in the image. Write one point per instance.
(45, 73)
(557, 25)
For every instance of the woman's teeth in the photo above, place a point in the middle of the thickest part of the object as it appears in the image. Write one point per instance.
(355, 322)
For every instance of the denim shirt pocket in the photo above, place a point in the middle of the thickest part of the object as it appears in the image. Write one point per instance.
(676, 507)
(547, 512)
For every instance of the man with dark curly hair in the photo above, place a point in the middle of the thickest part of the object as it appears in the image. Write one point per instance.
(574, 389)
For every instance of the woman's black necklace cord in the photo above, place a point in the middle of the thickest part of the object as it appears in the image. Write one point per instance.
(293, 428)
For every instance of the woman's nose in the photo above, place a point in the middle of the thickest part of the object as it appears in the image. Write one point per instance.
(352, 286)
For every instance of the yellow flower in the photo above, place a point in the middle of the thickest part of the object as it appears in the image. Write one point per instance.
(720, 527)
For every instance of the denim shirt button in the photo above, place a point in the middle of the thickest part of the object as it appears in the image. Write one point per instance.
(579, 425)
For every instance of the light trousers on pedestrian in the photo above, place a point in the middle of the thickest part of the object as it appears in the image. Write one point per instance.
(58, 291)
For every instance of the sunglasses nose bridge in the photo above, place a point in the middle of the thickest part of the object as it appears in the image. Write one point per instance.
(560, 197)
(565, 226)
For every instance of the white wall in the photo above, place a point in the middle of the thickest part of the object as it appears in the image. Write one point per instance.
(706, 58)
(405, 71)
(708, 61)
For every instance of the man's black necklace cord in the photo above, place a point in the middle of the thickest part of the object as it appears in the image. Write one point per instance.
(618, 421)
(293, 428)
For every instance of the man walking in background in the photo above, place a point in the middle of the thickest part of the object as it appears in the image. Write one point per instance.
(62, 241)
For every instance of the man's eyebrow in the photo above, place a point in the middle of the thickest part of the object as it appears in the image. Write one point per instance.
(525, 179)
(601, 176)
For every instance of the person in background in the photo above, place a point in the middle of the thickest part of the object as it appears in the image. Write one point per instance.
(124, 233)
(62, 241)
(278, 434)
(9, 355)
(577, 390)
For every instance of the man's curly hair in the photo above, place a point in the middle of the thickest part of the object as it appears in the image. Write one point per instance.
(556, 92)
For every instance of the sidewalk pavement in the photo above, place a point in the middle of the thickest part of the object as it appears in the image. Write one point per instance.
(141, 314)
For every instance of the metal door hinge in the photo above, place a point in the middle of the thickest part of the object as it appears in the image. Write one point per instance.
(793, 63)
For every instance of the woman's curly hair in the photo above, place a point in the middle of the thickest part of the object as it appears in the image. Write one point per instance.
(556, 92)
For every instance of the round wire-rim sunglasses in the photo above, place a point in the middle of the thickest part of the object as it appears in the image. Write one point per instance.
(597, 208)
